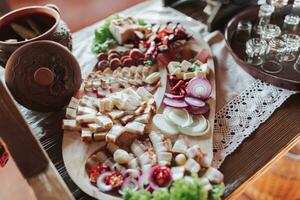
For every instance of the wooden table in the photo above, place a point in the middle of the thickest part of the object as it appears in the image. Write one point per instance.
(268, 143)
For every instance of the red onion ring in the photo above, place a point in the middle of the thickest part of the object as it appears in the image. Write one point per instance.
(100, 183)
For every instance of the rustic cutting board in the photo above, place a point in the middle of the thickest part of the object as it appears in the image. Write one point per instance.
(76, 152)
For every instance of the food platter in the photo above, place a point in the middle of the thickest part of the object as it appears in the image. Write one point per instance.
(144, 108)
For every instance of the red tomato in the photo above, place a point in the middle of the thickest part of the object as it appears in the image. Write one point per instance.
(161, 176)
(115, 179)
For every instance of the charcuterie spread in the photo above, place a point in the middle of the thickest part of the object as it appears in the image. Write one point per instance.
(140, 127)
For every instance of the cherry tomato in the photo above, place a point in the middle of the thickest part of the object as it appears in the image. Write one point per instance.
(161, 176)
(115, 179)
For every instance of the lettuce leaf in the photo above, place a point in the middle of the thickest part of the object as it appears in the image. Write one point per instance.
(103, 38)
(137, 195)
(217, 192)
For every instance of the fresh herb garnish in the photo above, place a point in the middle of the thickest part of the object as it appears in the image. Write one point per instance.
(103, 39)
(180, 190)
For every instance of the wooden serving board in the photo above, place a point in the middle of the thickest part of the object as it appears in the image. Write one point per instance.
(75, 152)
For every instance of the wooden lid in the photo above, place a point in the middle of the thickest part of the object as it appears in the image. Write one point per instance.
(42, 75)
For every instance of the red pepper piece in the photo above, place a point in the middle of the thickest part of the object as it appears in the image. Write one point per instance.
(178, 85)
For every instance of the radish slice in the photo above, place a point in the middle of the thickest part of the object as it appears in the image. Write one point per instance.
(175, 103)
(180, 117)
(100, 182)
(194, 102)
(198, 110)
(199, 88)
(164, 125)
(129, 182)
(199, 127)
(172, 96)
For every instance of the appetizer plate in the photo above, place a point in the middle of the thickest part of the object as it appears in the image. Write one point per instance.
(76, 152)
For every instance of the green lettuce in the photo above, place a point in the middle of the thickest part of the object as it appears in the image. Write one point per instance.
(103, 39)
(217, 192)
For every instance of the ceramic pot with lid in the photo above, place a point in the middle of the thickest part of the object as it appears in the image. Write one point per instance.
(43, 75)
(44, 18)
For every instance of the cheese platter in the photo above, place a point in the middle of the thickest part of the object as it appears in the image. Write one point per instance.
(142, 122)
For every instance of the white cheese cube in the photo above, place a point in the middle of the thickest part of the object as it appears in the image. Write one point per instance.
(188, 75)
(73, 103)
(81, 110)
(192, 166)
(135, 127)
(144, 93)
(114, 133)
(177, 172)
(87, 118)
(70, 113)
(185, 65)
(70, 125)
(86, 135)
(104, 122)
(116, 114)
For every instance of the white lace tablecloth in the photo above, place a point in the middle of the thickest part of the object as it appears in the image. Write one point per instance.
(243, 103)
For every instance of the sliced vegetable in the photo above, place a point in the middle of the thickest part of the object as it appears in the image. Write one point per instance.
(197, 128)
(102, 186)
(194, 102)
(103, 39)
(175, 103)
(114, 179)
(199, 88)
(172, 96)
(164, 125)
(160, 177)
(198, 110)
(180, 117)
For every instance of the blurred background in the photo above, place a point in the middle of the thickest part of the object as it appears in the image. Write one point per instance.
(281, 181)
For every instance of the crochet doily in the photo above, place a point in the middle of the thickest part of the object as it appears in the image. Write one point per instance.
(242, 115)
